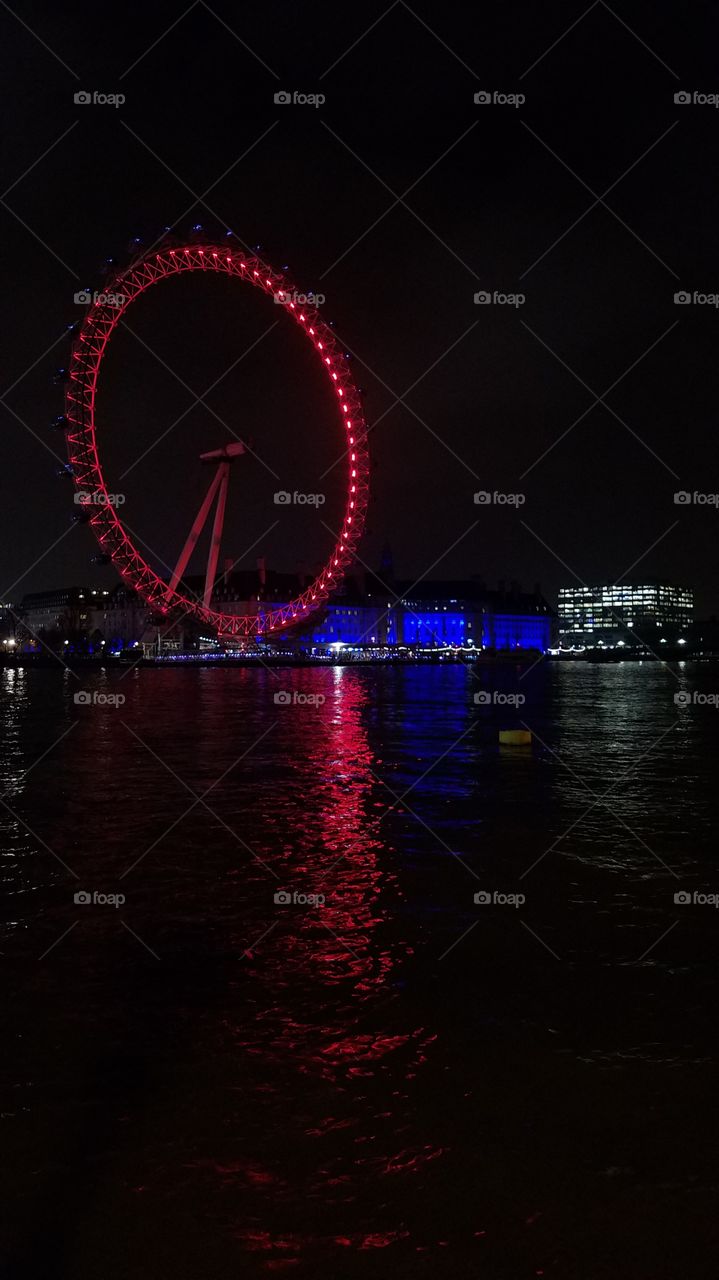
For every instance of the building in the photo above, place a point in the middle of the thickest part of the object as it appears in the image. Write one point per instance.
(435, 615)
(620, 614)
(120, 617)
(379, 610)
(49, 617)
(366, 612)
(82, 618)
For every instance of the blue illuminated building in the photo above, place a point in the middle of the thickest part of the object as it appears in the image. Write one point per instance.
(380, 610)
(435, 615)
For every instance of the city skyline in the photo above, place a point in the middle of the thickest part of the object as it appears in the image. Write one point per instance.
(377, 611)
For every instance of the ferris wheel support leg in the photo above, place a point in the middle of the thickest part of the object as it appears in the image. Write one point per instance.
(194, 534)
(223, 475)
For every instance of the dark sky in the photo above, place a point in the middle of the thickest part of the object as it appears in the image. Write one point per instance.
(492, 192)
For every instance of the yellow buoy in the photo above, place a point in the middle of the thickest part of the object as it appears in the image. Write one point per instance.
(515, 737)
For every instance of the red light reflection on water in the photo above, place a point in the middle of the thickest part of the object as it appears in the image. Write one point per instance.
(335, 848)
(322, 1030)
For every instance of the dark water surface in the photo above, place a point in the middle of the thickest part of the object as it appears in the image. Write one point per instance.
(397, 1082)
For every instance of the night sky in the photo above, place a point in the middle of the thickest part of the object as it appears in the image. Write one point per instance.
(398, 198)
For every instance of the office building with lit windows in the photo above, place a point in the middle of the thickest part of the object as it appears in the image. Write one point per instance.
(621, 614)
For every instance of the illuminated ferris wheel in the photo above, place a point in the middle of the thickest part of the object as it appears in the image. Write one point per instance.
(82, 432)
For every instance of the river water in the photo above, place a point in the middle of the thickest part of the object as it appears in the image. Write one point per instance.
(380, 1075)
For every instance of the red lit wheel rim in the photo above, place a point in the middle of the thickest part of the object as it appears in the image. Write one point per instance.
(87, 354)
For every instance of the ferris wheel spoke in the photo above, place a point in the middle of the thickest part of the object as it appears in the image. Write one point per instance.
(193, 535)
(224, 473)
